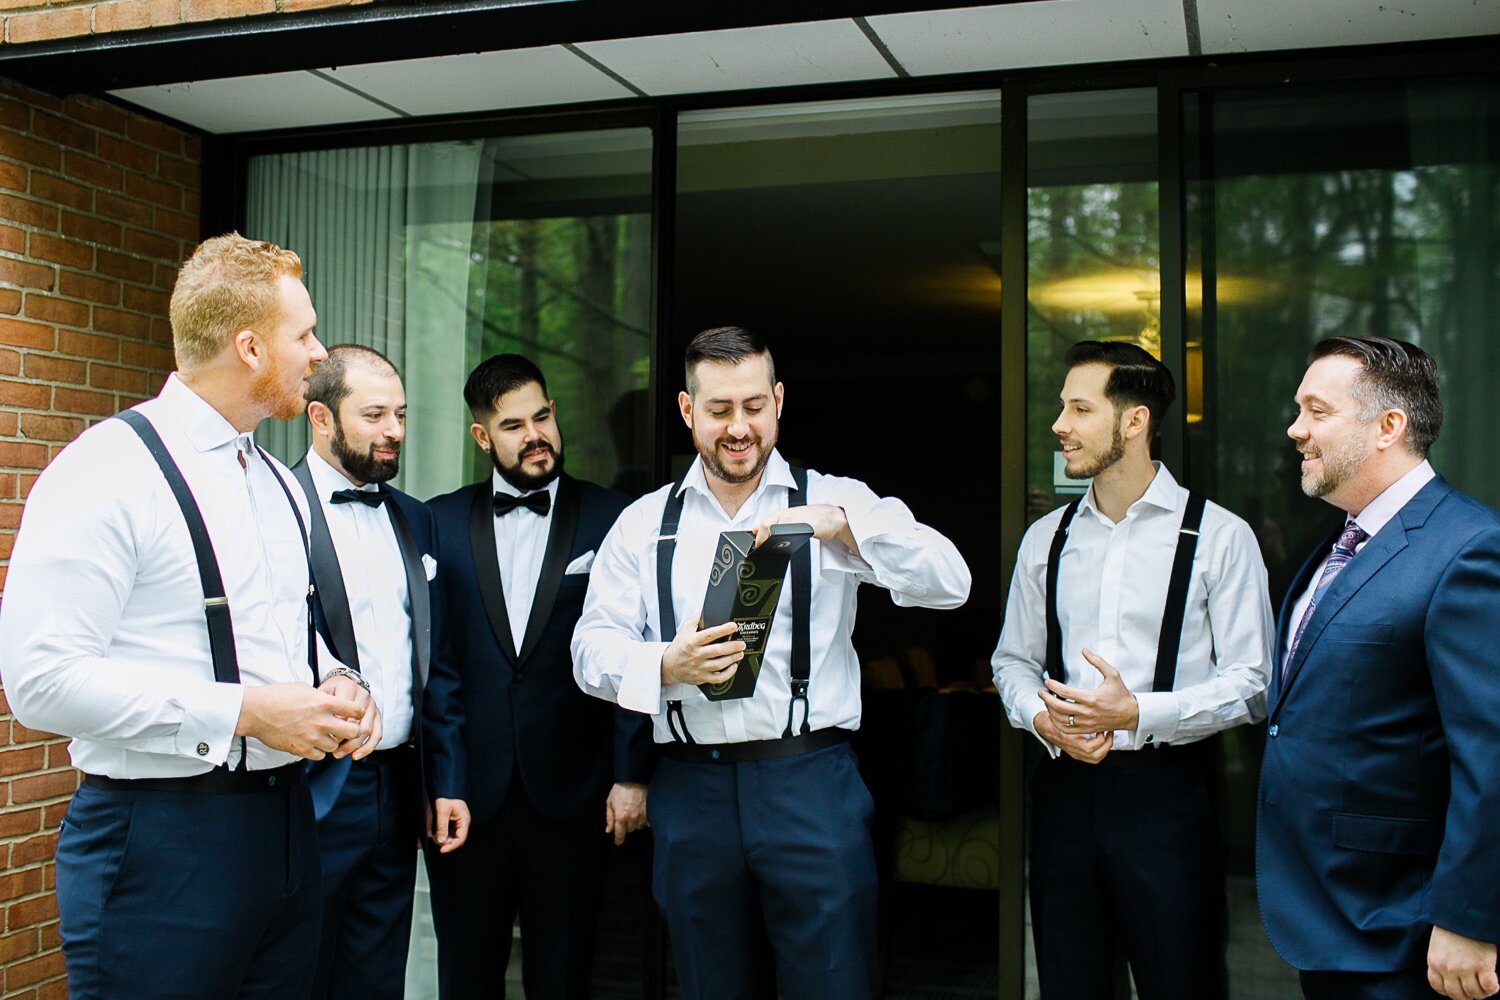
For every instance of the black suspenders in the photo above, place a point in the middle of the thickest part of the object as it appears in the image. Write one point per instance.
(801, 666)
(1169, 641)
(215, 602)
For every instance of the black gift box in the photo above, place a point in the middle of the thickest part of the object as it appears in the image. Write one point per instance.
(744, 585)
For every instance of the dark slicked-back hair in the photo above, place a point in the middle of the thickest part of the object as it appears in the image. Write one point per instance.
(1396, 376)
(329, 382)
(724, 345)
(1135, 377)
(497, 376)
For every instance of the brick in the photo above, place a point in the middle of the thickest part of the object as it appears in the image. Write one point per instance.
(155, 134)
(13, 176)
(67, 22)
(62, 192)
(161, 330)
(52, 815)
(64, 132)
(24, 482)
(104, 291)
(147, 301)
(22, 759)
(45, 368)
(93, 171)
(119, 265)
(119, 379)
(125, 210)
(127, 154)
(9, 421)
(148, 244)
(87, 345)
(15, 333)
(54, 310)
(87, 402)
(155, 191)
(42, 100)
(14, 114)
(12, 240)
(58, 756)
(123, 323)
(146, 356)
(32, 850)
(20, 734)
(43, 786)
(213, 10)
(27, 395)
(192, 203)
(189, 175)
(291, 6)
(91, 230)
(61, 251)
(166, 276)
(22, 455)
(46, 427)
(32, 970)
(28, 212)
(13, 885)
(10, 301)
(177, 224)
(51, 939)
(33, 152)
(19, 945)
(135, 14)
(192, 148)
(92, 110)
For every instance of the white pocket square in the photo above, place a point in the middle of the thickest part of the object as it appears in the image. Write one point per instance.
(430, 565)
(581, 564)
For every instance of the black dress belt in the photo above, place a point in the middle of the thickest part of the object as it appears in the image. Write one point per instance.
(219, 781)
(735, 753)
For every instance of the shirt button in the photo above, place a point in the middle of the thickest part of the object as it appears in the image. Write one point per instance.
(202, 749)
(271, 779)
(520, 676)
(1273, 730)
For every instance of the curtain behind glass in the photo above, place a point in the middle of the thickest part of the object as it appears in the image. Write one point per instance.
(384, 234)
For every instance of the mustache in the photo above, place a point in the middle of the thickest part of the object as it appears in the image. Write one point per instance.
(533, 446)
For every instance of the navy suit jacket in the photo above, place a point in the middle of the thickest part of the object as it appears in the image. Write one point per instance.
(326, 777)
(518, 710)
(1379, 809)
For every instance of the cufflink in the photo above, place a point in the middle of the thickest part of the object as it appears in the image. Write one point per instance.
(202, 749)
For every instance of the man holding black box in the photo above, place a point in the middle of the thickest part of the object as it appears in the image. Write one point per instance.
(759, 813)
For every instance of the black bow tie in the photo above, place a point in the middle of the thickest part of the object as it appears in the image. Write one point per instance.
(538, 503)
(370, 498)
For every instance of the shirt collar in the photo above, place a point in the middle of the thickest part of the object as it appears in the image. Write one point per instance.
(502, 485)
(327, 479)
(203, 426)
(1162, 492)
(1378, 512)
(776, 473)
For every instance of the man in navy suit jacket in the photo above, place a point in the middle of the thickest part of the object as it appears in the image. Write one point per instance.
(1378, 829)
(371, 556)
(547, 771)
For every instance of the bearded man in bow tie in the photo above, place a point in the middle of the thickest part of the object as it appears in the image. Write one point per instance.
(549, 774)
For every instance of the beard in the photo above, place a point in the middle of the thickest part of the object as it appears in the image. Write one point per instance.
(1339, 463)
(267, 390)
(364, 466)
(517, 475)
(714, 463)
(1104, 461)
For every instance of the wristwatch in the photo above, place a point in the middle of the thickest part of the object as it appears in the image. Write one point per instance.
(351, 673)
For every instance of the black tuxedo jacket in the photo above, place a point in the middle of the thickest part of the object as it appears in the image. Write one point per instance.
(326, 777)
(515, 709)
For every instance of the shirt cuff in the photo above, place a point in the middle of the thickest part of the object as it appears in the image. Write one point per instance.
(207, 731)
(837, 556)
(1158, 718)
(640, 684)
(1030, 706)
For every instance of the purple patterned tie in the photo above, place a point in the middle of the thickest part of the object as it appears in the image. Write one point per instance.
(1343, 551)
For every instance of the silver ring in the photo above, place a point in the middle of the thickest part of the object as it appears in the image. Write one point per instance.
(1070, 720)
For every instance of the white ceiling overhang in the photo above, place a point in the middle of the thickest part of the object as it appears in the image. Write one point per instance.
(916, 44)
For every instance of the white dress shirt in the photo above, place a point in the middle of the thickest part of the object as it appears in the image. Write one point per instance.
(520, 545)
(618, 643)
(1376, 515)
(102, 634)
(1111, 590)
(375, 582)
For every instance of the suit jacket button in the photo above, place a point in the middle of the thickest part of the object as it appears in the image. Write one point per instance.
(519, 676)
(1273, 730)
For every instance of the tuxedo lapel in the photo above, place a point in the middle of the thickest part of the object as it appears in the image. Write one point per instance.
(487, 569)
(420, 600)
(328, 578)
(554, 562)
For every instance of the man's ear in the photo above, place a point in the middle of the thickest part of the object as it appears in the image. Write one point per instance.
(481, 437)
(1390, 429)
(779, 394)
(320, 418)
(248, 348)
(1137, 421)
(685, 407)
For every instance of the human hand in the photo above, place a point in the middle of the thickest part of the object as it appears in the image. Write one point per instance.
(298, 719)
(1107, 707)
(1461, 968)
(370, 726)
(448, 824)
(1089, 748)
(704, 656)
(828, 522)
(625, 810)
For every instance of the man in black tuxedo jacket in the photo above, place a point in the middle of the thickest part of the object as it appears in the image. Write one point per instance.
(537, 759)
(371, 555)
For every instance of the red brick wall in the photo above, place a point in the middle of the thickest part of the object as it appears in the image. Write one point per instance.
(43, 20)
(97, 207)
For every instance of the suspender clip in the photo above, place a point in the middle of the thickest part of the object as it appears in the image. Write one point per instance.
(215, 602)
